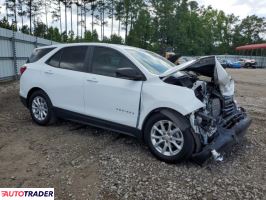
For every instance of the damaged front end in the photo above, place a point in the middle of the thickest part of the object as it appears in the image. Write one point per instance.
(218, 132)
(221, 122)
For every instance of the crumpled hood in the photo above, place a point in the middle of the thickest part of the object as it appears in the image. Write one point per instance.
(224, 80)
(177, 68)
(207, 66)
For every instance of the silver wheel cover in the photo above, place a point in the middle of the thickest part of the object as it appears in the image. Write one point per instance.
(39, 108)
(167, 138)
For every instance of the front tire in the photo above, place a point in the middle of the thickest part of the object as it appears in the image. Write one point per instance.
(41, 108)
(167, 140)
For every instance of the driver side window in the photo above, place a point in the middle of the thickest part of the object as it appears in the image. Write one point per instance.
(106, 61)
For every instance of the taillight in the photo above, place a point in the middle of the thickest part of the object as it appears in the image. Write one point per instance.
(22, 69)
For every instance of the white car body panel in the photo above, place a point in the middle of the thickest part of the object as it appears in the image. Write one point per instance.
(158, 94)
(30, 79)
(62, 92)
(177, 68)
(112, 99)
(64, 87)
(225, 82)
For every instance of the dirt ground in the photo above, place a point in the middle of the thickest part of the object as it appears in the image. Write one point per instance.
(82, 162)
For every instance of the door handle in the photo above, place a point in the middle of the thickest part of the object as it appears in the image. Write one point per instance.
(92, 80)
(49, 72)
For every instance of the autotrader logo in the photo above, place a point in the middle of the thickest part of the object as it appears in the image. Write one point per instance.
(27, 193)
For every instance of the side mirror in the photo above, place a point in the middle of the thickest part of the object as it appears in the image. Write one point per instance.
(129, 73)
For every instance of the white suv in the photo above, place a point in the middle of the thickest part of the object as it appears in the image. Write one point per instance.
(178, 113)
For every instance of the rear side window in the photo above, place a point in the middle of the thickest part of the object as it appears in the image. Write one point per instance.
(54, 61)
(73, 58)
(38, 54)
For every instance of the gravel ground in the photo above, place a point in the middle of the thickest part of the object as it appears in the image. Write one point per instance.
(82, 162)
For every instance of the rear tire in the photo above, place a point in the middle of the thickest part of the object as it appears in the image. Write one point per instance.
(166, 139)
(41, 108)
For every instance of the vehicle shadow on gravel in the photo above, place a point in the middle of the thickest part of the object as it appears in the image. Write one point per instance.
(115, 138)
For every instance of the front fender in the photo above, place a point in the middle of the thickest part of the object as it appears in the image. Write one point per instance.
(158, 94)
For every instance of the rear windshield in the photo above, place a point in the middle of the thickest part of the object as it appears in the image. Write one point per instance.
(38, 54)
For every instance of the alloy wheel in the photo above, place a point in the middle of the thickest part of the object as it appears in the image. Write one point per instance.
(167, 138)
(39, 108)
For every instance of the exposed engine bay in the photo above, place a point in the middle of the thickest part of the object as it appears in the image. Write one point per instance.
(218, 123)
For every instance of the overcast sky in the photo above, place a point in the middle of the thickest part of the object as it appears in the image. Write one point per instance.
(240, 8)
(107, 31)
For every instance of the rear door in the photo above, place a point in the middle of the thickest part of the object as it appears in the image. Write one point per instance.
(63, 78)
(108, 97)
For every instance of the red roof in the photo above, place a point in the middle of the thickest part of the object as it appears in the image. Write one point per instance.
(252, 46)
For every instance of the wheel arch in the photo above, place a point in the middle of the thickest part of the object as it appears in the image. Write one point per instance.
(175, 116)
(168, 112)
(31, 91)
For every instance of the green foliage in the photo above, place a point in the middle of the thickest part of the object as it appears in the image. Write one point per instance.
(91, 36)
(114, 39)
(192, 30)
(140, 35)
(4, 24)
(250, 30)
(71, 36)
(40, 29)
(25, 29)
(184, 25)
(64, 37)
(53, 34)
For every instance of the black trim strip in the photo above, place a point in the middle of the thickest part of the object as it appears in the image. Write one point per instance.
(84, 119)
(140, 102)
(26, 41)
(5, 38)
(12, 58)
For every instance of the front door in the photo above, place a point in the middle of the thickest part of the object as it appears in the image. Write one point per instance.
(108, 97)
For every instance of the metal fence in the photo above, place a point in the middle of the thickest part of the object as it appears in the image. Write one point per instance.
(15, 48)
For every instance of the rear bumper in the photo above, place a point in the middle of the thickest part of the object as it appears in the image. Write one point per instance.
(224, 140)
(23, 101)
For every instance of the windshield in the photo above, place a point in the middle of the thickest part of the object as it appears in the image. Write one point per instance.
(153, 62)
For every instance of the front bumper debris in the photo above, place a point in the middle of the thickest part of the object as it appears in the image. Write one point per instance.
(224, 139)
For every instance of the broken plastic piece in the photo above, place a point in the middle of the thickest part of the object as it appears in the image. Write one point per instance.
(217, 156)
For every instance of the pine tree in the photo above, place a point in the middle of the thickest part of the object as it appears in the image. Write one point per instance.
(21, 10)
(56, 13)
(12, 11)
